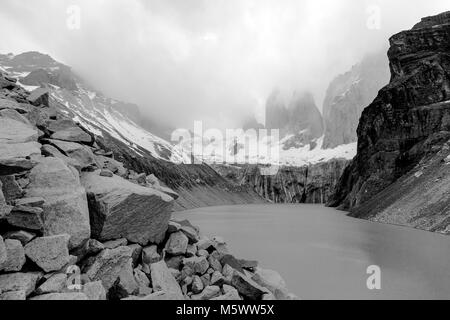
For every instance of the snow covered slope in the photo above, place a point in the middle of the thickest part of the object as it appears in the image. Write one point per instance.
(97, 113)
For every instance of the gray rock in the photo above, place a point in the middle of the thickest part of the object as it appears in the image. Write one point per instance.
(106, 173)
(173, 227)
(50, 151)
(6, 104)
(14, 131)
(15, 256)
(115, 243)
(141, 278)
(232, 262)
(70, 296)
(13, 296)
(273, 281)
(247, 287)
(203, 253)
(217, 279)
(150, 255)
(136, 253)
(39, 97)
(120, 208)
(174, 262)
(19, 281)
(56, 283)
(81, 153)
(26, 217)
(191, 251)
(10, 188)
(199, 264)
(94, 290)
(214, 263)
(60, 125)
(73, 134)
(204, 244)
(23, 236)
(3, 253)
(112, 165)
(197, 285)
(88, 248)
(112, 267)
(229, 293)
(206, 279)
(177, 244)
(49, 253)
(208, 293)
(15, 158)
(65, 209)
(14, 115)
(163, 280)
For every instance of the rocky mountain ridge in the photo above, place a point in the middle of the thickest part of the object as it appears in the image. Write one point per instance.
(348, 94)
(403, 135)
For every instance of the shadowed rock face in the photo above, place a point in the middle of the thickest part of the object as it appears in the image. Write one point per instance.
(119, 208)
(348, 95)
(410, 116)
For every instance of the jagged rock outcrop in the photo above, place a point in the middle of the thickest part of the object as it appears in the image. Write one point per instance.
(348, 95)
(308, 184)
(408, 122)
(300, 118)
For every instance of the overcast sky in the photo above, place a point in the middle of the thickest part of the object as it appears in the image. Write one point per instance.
(211, 60)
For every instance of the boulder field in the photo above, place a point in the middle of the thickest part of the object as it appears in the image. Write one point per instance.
(75, 224)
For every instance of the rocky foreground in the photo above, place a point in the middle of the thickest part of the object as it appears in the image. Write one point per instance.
(75, 224)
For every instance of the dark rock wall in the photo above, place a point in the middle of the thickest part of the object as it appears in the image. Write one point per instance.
(406, 113)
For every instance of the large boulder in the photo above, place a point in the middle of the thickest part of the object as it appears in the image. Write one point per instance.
(114, 267)
(247, 287)
(121, 209)
(49, 253)
(56, 283)
(15, 256)
(14, 131)
(18, 157)
(19, 281)
(39, 97)
(163, 280)
(73, 134)
(26, 217)
(50, 151)
(65, 209)
(81, 153)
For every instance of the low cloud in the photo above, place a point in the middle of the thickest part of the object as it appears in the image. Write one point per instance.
(210, 60)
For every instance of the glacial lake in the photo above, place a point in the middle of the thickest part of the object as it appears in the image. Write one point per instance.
(323, 254)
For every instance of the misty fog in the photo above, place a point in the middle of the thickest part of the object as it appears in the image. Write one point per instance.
(210, 60)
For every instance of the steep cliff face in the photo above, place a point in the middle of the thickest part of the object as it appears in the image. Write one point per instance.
(407, 122)
(347, 96)
(308, 184)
